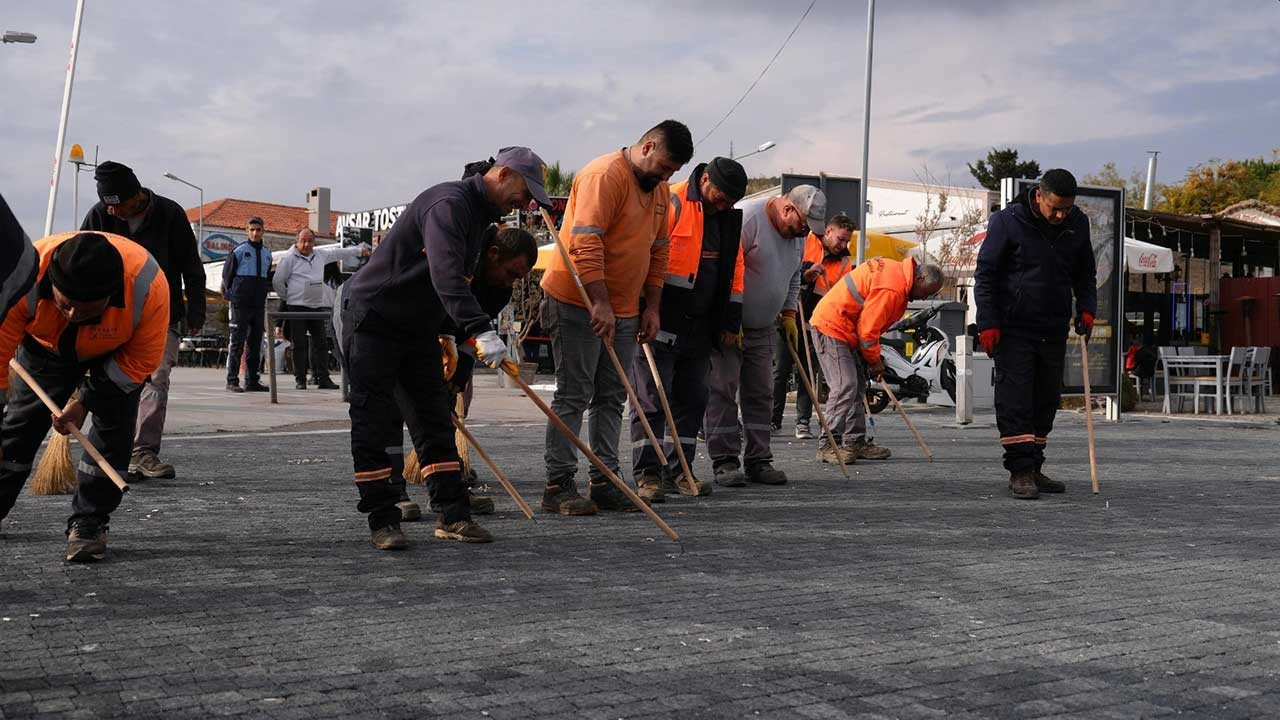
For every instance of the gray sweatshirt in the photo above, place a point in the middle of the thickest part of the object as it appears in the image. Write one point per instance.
(771, 281)
(299, 279)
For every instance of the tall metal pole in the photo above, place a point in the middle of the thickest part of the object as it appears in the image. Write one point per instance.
(866, 137)
(201, 238)
(62, 124)
(1151, 180)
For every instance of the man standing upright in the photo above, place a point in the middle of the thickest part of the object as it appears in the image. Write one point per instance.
(299, 281)
(615, 230)
(773, 232)
(160, 225)
(1037, 253)
(701, 310)
(245, 285)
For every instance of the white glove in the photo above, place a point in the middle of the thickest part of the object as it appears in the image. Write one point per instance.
(490, 348)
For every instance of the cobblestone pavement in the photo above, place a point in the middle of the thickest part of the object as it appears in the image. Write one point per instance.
(247, 587)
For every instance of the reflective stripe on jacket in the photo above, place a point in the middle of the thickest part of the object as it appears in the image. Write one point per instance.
(865, 303)
(833, 268)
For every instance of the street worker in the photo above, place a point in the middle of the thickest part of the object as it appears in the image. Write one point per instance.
(393, 312)
(299, 281)
(19, 262)
(161, 226)
(245, 285)
(508, 254)
(94, 322)
(772, 247)
(1037, 253)
(615, 230)
(847, 325)
(826, 260)
(701, 310)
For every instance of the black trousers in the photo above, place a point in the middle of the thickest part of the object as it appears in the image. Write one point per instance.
(684, 376)
(1028, 385)
(316, 350)
(783, 370)
(27, 421)
(246, 337)
(380, 357)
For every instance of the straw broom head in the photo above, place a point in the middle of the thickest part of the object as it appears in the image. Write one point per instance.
(55, 474)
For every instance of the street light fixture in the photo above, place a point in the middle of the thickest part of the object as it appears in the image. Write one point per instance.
(77, 159)
(175, 178)
(767, 145)
(15, 36)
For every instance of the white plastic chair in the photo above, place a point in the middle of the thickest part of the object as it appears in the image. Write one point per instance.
(1258, 378)
(1234, 375)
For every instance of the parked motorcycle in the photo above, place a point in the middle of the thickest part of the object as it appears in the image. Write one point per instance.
(930, 374)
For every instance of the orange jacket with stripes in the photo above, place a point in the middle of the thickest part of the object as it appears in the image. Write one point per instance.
(130, 335)
(833, 268)
(686, 224)
(865, 303)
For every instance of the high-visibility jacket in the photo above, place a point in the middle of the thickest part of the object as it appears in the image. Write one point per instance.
(686, 224)
(130, 335)
(865, 303)
(833, 267)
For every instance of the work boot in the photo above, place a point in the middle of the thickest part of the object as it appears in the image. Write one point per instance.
(300, 384)
(764, 474)
(609, 498)
(325, 383)
(234, 386)
(144, 463)
(86, 540)
(389, 537)
(480, 505)
(1045, 484)
(802, 431)
(836, 456)
(728, 475)
(775, 428)
(565, 500)
(256, 386)
(1022, 485)
(649, 487)
(465, 530)
(671, 485)
(866, 449)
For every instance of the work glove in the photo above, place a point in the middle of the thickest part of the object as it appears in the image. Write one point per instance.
(876, 369)
(449, 355)
(1084, 325)
(788, 323)
(490, 348)
(739, 343)
(988, 339)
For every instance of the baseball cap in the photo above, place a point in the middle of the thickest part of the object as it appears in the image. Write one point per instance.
(529, 165)
(813, 203)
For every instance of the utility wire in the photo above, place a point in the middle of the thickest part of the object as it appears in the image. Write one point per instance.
(761, 75)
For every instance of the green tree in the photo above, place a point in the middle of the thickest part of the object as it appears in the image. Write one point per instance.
(1135, 186)
(1214, 186)
(756, 184)
(558, 182)
(1002, 164)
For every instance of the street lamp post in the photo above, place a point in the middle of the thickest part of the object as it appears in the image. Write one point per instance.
(767, 145)
(175, 178)
(866, 137)
(77, 159)
(62, 122)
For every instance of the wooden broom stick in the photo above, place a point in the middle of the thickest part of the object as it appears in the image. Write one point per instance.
(502, 478)
(911, 426)
(1088, 412)
(817, 406)
(671, 420)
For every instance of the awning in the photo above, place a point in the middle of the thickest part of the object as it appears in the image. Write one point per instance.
(1144, 257)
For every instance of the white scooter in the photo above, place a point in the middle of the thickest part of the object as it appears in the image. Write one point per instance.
(930, 374)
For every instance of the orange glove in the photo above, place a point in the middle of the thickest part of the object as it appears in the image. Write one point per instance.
(988, 339)
(448, 356)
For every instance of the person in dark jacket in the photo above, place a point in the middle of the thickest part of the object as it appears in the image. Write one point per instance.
(393, 311)
(161, 226)
(701, 309)
(1036, 255)
(245, 283)
(19, 263)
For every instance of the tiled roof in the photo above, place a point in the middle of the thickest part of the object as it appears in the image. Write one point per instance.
(232, 213)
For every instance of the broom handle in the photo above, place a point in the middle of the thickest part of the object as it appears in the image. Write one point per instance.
(817, 406)
(671, 420)
(910, 425)
(75, 431)
(511, 370)
(617, 364)
(1088, 412)
(502, 478)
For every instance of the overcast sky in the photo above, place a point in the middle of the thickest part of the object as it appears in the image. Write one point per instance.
(381, 99)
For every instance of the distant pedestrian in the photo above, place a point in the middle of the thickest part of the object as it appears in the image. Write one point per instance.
(161, 226)
(245, 285)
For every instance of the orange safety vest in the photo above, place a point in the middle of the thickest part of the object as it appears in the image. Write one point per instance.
(832, 269)
(868, 300)
(684, 227)
(132, 330)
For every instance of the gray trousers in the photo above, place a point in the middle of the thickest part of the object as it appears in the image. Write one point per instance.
(741, 379)
(846, 413)
(154, 403)
(585, 381)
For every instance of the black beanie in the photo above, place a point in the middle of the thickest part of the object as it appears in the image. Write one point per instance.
(87, 267)
(729, 176)
(116, 182)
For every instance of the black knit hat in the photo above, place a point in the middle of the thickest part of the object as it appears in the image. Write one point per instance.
(87, 268)
(729, 176)
(116, 182)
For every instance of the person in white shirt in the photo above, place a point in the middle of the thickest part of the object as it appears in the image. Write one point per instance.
(299, 281)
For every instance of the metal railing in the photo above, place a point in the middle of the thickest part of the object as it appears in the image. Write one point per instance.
(273, 315)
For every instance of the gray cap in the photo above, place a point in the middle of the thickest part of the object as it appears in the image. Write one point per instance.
(813, 203)
(529, 165)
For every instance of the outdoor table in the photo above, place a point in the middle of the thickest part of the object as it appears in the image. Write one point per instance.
(1210, 364)
(271, 317)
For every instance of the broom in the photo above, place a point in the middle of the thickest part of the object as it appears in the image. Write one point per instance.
(412, 470)
(55, 474)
